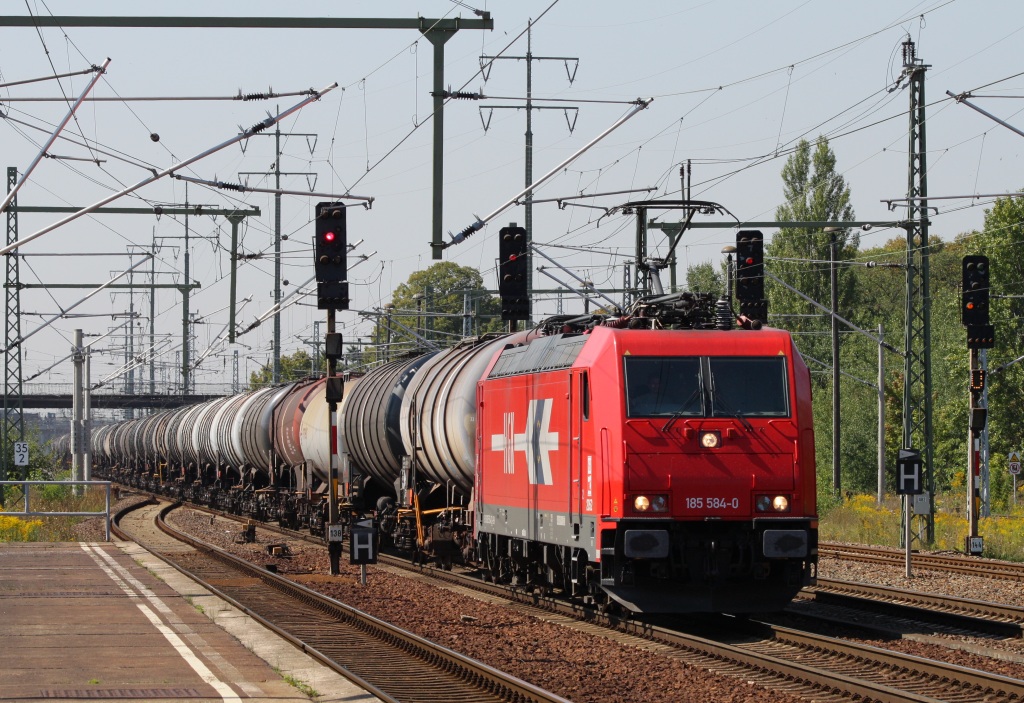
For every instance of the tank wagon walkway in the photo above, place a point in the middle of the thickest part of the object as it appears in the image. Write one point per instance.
(109, 621)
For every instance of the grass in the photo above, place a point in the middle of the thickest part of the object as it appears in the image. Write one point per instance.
(47, 498)
(303, 688)
(861, 521)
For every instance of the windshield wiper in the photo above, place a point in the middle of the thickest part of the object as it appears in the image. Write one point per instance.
(730, 412)
(679, 412)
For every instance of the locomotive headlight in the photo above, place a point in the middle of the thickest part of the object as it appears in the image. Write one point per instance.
(710, 440)
(772, 504)
(655, 503)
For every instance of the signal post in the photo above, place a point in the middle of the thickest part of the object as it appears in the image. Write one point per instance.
(974, 314)
(330, 261)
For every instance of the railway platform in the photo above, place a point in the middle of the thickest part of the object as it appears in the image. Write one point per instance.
(87, 621)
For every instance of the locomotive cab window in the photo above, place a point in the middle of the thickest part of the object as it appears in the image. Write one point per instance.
(585, 392)
(706, 386)
(749, 386)
(663, 386)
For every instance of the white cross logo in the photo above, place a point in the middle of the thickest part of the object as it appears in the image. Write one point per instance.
(538, 441)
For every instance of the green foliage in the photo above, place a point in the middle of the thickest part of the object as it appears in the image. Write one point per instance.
(54, 494)
(704, 278)
(877, 295)
(440, 303)
(815, 192)
(43, 464)
(293, 368)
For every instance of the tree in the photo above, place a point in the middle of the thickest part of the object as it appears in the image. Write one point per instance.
(293, 367)
(442, 304)
(703, 278)
(800, 255)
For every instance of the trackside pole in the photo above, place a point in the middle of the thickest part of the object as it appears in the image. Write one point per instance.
(335, 531)
(907, 507)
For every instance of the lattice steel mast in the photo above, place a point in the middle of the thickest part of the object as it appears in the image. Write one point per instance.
(917, 386)
(14, 423)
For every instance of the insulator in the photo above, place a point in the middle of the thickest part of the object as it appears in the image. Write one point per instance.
(258, 127)
(463, 95)
(723, 314)
(257, 96)
(467, 231)
(229, 186)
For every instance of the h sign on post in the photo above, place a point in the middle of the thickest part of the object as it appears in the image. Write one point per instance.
(363, 544)
(908, 473)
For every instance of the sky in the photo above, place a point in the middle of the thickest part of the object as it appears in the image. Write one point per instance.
(732, 85)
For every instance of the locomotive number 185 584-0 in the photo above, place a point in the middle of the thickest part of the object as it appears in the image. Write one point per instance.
(712, 503)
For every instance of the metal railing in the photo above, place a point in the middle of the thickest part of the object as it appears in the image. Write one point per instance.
(28, 512)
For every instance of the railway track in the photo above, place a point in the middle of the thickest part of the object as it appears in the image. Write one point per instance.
(988, 568)
(961, 614)
(391, 663)
(804, 664)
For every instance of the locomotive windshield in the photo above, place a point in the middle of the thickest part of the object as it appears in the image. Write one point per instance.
(749, 386)
(663, 386)
(706, 386)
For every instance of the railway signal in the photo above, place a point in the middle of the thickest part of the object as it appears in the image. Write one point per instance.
(513, 270)
(750, 274)
(974, 308)
(330, 257)
(974, 314)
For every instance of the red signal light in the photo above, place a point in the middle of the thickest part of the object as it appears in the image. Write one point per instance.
(329, 236)
(750, 260)
(511, 257)
(970, 306)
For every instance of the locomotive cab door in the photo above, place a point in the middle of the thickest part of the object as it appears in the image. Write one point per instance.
(579, 411)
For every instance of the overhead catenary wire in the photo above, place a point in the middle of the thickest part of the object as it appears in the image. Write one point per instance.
(270, 121)
(49, 142)
(20, 340)
(480, 222)
(240, 97)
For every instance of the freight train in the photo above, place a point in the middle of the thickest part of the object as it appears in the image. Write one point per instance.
(661, 460)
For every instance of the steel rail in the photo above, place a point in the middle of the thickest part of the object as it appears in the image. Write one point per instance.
(746, 662)
(988, 568)
(491, 683)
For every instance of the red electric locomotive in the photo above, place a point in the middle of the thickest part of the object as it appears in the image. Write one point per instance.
(671, 469)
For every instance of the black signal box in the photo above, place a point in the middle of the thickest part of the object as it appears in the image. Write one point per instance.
(330, 257)
(750, 274)
(974, 299)
(981, 336)
(513, 272)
